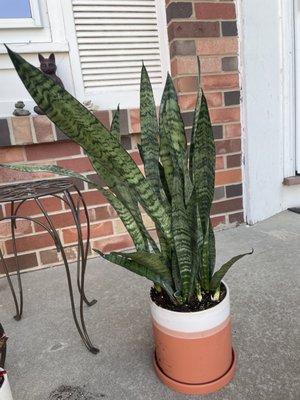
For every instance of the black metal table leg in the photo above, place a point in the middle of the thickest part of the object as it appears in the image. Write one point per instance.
(82, 252)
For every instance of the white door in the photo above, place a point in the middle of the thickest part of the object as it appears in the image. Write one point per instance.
(297, 71)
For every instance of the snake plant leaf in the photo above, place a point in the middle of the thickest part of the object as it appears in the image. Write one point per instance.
(212, 250)
(205, 262)
(154, 262)
(203, 162)
(53, 169)
(136, 230)
(149, 131)
(79, 124)
(173, 130)
(164, 147)
(115, 124)
(164, 183)
(139, 269)
(196, 241)
(181, 234)
(219, 275)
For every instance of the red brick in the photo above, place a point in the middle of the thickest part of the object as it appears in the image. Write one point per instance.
(188, 65)
(189, 29)
(187, 101)
(52, 150)
(98, 229)
(11, 154)
(228, 146)
(113, 243)
(136, 157)
(217, 46)
(43, 129)
(29, 208)
(233, 131)
(102, 213)
(21, 130)
(80, 164)
(214, 99)
(224, 81)
(32, 242)
(216, 221)
(49, 256)
(237, 217)
(185, 65)
(221, 115)
(71, 252)
(228, 176)
(23, 227)
(219, 163)
(103, 117)
(60, 220)
(135, 126)
(186, 84)
(221, 207)
(93, 197)
(215, 11)
(234, 161)
(25, 261)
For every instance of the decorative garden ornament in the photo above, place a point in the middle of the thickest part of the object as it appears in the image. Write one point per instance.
(19, 110)
(48, 67)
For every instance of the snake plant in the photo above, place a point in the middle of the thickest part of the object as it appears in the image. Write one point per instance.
(176, 189)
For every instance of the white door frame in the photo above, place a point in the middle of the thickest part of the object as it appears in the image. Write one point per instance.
(297, 80)
(268, 106)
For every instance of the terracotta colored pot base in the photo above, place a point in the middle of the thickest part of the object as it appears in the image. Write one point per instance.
(203, 388)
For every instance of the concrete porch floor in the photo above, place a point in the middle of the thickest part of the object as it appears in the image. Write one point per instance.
(45, 351)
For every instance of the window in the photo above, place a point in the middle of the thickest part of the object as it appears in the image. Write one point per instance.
(113, 38)
(19, 14)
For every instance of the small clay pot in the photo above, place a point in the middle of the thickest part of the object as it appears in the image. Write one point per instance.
(193, 351)
(5, 392)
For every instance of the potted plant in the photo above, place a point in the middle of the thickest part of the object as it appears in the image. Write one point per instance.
(189, 300)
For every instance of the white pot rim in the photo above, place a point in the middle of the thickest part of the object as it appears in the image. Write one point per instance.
(190, 322)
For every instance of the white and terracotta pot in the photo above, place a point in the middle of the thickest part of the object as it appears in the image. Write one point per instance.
(193, 351)
(5, 392)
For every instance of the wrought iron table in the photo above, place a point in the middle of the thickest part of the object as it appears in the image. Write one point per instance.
(17, 195)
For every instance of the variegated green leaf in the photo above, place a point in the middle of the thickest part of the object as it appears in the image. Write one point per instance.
(212, 250)
(174, 131)
(139, 269)
(164, 146)
(196, 241)
(79, 124)
(53, 169)
(154, 262)
(203, 162)
(182, 235)
(115, 125)
(149, 131)
(205, 262)
(219, 275)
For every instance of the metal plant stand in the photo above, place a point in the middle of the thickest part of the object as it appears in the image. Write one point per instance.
(17, 195)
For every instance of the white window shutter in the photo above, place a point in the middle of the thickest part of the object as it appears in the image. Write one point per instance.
(114, 37)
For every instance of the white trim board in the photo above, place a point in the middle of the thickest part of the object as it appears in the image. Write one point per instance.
(268, 106)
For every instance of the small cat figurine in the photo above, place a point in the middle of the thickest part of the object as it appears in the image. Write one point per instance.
(48, 67)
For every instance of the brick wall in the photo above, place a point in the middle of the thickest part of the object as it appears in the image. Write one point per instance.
(203, 28)
(208, 29)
